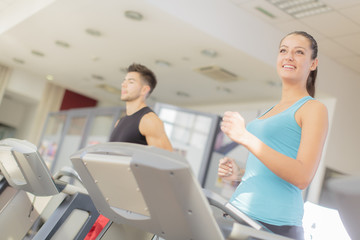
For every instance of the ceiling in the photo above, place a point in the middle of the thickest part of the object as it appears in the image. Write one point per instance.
(50, 37)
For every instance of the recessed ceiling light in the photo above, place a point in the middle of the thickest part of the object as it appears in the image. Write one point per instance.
(223, 89)
(18, 60)
(162, 63)
(110, 89)
(182, 94)
(133, 15)
(273, 83)
(97, 77)
(37, 53)
(93, 32)
(49, 77)
(62, 44)
(209, 53)
(95, 58)
(123, 70)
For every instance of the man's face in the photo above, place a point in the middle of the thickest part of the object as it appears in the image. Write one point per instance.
(133, 87)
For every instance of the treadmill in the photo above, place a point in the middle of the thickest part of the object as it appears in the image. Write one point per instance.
(70, 209)
(150, 193)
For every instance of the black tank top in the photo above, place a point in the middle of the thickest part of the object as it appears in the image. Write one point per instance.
(127, 130)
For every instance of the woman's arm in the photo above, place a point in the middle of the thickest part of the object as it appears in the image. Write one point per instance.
(229, 170)
(313, 120)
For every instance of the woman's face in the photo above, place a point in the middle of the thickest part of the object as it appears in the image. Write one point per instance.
(294, 58)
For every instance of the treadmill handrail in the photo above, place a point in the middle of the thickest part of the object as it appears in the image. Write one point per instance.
(24, 168)
(221, 203)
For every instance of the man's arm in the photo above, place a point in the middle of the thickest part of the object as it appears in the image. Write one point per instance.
(152, 128)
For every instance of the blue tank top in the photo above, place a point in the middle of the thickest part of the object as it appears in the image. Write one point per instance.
(261, 194)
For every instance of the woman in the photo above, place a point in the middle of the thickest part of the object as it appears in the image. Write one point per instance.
(285, 143)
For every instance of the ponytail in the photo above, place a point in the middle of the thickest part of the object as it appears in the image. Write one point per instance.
(310, 83)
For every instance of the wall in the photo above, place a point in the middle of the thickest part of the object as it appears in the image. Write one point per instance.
(23, 94)
(11, 112)
(344, 85)
(19, 104)
(18, 114)
(26, 85)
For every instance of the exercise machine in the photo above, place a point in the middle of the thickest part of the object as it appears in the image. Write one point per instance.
(70, 210)
(151, 193)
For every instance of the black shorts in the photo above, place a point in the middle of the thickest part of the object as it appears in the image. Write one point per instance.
(294, 232)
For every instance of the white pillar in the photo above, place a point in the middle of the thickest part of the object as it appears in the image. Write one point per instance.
(50, 102)
(5, 73)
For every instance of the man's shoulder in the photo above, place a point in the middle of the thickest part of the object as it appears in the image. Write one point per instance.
(150, 116)
(150, 123)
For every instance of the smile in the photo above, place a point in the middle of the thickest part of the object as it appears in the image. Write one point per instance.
(289, 66)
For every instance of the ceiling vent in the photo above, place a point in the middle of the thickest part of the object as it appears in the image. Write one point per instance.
(301, 8)
(217, 73)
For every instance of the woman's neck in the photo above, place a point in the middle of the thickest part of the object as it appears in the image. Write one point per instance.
(291, 95)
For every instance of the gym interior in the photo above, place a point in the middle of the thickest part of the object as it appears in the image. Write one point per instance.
(61, 68)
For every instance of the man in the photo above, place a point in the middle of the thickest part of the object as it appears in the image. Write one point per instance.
(140, 125)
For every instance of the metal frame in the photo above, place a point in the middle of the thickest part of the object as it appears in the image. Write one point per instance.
(89, 114)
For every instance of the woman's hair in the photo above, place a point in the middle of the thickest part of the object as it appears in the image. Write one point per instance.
(310, 83)
(147, 75)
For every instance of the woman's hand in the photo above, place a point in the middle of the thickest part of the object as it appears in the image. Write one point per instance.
(229, 170)
(233, 125)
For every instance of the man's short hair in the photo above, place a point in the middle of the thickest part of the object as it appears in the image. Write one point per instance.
(147, 75)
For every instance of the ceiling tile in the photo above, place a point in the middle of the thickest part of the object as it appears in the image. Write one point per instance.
(260, 7)
(334, 50)
(296, 25)
(332, 24)
(338, 4)
(352, 62)
(3, 6)
(351, 42)
(353, 13)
